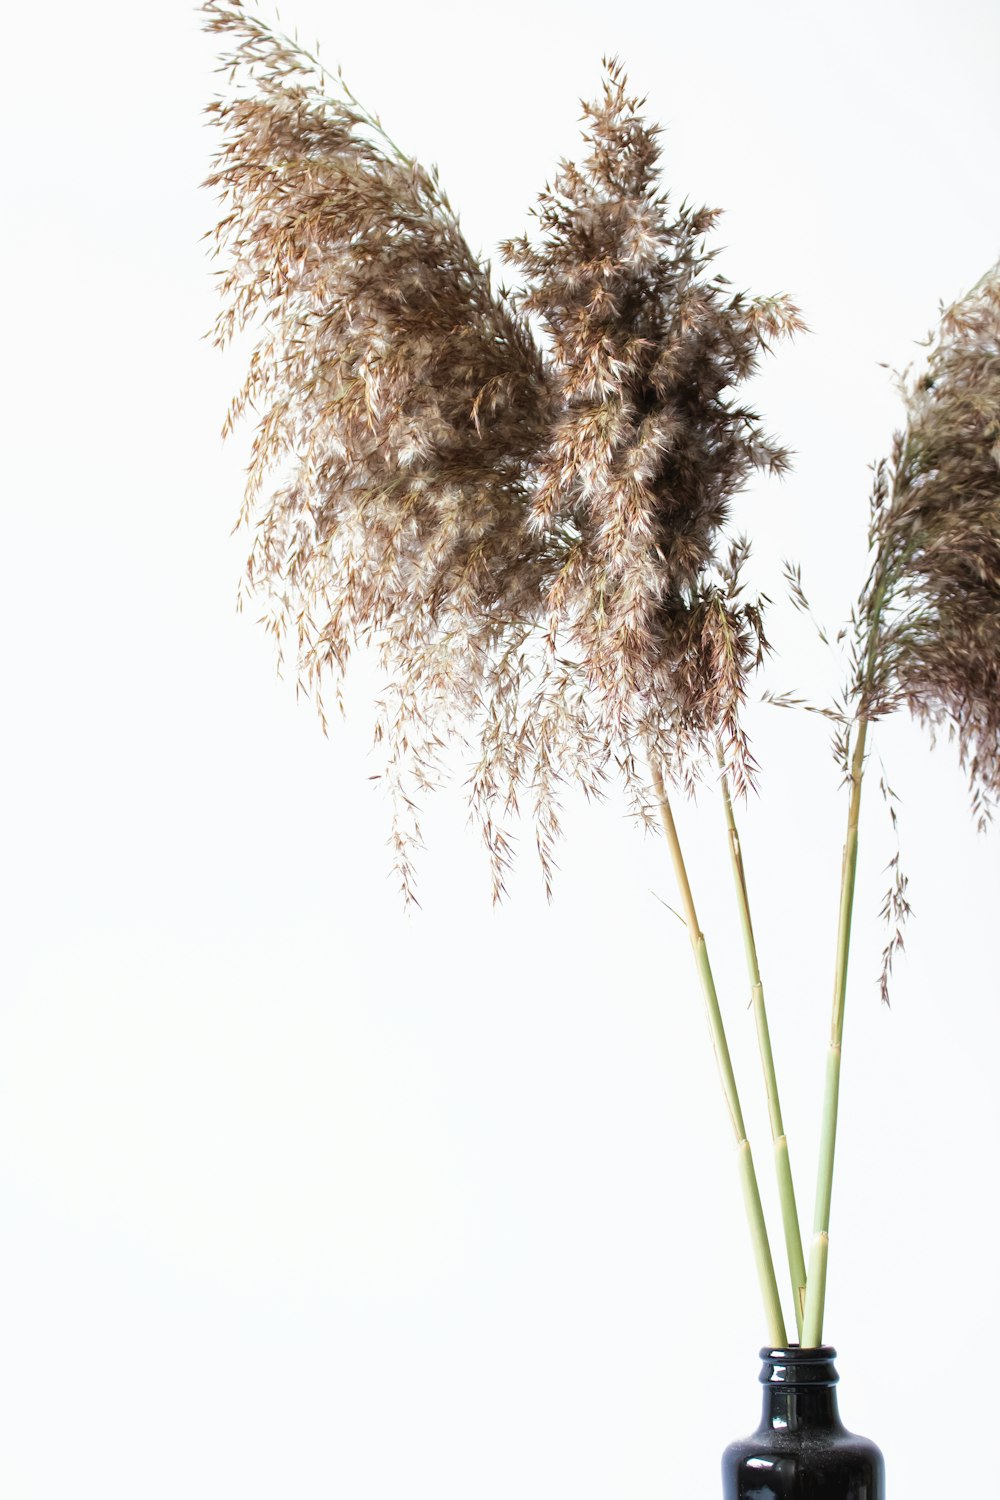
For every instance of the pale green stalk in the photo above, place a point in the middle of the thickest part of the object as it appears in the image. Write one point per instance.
(748, 1177)
(819, 1252)
(782, 1163)
(812, 1327)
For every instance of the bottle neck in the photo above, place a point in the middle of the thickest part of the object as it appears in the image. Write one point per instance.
(800, 1389)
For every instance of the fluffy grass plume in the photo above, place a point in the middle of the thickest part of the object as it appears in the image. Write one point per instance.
(650, 443)
(521, 503)
(928, 623)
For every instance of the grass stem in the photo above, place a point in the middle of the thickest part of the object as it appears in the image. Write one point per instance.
(812, 1328)
(782, 1162)
(748, 1176)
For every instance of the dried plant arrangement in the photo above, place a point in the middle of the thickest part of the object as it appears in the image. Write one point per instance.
(522, 503)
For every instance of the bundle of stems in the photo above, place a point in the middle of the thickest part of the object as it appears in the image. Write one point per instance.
(521, 502)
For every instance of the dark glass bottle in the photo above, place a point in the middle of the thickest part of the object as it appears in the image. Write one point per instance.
(801, 1450)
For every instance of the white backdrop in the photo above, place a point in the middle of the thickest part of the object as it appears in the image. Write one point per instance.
(304, 1195)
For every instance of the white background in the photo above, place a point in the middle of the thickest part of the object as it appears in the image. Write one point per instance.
(301, 1195)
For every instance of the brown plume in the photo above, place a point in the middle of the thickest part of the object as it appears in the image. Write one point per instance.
(928, 623)
(520, 503)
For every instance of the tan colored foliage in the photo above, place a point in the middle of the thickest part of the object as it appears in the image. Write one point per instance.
(928, 623)
(520, 502)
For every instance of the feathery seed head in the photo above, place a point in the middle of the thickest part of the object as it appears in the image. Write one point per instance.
(530, 535)
(646, 348)
(929, 617)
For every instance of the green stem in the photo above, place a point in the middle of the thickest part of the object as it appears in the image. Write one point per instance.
(748, 1177)
(782, 1163)
(812, 1329)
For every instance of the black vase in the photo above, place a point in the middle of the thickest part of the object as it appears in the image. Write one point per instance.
(801, 1450)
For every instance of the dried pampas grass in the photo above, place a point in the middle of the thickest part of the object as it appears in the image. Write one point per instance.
(521, 503)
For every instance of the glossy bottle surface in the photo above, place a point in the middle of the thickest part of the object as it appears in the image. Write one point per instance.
(801, 1450)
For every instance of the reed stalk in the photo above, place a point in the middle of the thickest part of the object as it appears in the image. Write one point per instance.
(779, 1141)
(748, 1177)
(812, 1326)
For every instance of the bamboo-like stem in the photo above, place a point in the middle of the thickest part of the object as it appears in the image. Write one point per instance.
(812, 1327)
(748, 1177)
(782, 1162)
